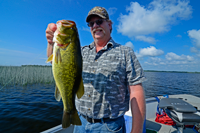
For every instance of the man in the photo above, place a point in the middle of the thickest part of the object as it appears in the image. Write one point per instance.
(112, 76)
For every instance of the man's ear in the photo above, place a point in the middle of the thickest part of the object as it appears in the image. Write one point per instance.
(110, 24)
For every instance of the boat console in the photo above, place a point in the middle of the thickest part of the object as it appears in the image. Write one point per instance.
(181, 112)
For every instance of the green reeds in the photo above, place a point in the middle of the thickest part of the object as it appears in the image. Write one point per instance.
(23, 75)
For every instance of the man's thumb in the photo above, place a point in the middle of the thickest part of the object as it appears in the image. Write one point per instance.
(53, 27)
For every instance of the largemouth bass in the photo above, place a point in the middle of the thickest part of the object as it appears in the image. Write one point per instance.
(67, 69)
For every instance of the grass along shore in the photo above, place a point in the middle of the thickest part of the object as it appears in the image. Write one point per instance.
(27, 74)
(37, 74)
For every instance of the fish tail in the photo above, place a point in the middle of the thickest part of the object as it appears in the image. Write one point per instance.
(69, 119)
(75, 120)
(66, 120)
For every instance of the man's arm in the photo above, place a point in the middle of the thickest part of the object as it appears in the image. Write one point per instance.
(138, 107)
(49, 49)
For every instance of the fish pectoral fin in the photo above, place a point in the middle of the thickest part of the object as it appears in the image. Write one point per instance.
(50, 58)
(57, 94)
(80, 90)
(58, 57)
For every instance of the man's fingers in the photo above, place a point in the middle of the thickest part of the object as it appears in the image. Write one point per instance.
(49, 36)
(49, 32)
(53, 27)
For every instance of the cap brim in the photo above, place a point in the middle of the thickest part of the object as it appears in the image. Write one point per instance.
(91, 15)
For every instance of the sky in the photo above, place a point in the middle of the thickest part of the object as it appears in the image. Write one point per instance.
(164, 34)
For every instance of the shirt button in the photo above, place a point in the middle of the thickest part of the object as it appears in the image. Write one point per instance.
(89, 109)
(95, 60)
(88, 95)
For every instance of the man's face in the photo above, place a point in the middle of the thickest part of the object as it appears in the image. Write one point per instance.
(101, 31)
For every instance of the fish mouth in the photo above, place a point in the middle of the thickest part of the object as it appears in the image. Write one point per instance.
(66, 23)
(61, 37)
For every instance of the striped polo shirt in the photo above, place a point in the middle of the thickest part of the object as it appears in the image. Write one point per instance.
(106, 77)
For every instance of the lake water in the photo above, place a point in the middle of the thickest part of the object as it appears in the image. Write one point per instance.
(162, 83)
(33, 108)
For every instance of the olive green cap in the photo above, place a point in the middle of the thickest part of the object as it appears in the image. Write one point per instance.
(98, 11)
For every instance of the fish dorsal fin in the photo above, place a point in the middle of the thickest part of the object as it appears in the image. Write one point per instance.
(50, 58)
(80, 90)
(57, 94)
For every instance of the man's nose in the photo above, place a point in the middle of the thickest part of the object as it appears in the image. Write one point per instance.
(95, 25)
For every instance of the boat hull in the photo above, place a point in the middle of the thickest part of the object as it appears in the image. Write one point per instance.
(150, 124)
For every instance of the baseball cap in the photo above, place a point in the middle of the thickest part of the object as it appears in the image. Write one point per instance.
(98, 11)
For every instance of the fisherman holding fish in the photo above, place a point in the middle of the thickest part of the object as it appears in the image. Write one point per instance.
(112, 77)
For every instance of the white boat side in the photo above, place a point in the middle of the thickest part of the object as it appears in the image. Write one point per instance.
(151, 108)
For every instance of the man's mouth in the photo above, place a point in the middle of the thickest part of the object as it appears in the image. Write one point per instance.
(98, 30)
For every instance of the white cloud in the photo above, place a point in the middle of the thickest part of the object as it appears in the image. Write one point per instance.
(157, 60)
(172, 56)
(17, 57)
(194, 50)
(129, 44)
(156, 18)
(198, 54)
(146, 39)
(149, 51)
(195, 36)
(86, 29)
(179, 36)
(112, 10)
(14, 52)
(172, 61)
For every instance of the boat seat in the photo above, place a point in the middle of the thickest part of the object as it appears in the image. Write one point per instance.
(180, 112)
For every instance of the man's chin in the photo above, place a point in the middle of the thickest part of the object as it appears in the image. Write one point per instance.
(98, 36)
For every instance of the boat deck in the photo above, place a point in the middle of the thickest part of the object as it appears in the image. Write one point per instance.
(161, 128)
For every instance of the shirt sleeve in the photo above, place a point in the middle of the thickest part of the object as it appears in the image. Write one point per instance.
(134, 71)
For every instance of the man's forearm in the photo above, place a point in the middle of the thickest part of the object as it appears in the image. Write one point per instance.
(138, 107)
(49, 49)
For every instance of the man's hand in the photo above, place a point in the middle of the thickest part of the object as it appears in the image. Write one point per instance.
(51, 28)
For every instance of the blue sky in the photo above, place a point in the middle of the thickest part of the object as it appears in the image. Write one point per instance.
(165, 34)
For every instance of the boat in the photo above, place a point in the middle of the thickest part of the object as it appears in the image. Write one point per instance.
(182, 109)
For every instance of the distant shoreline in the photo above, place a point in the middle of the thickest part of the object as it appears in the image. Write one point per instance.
(144, 70)
(170, 71)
